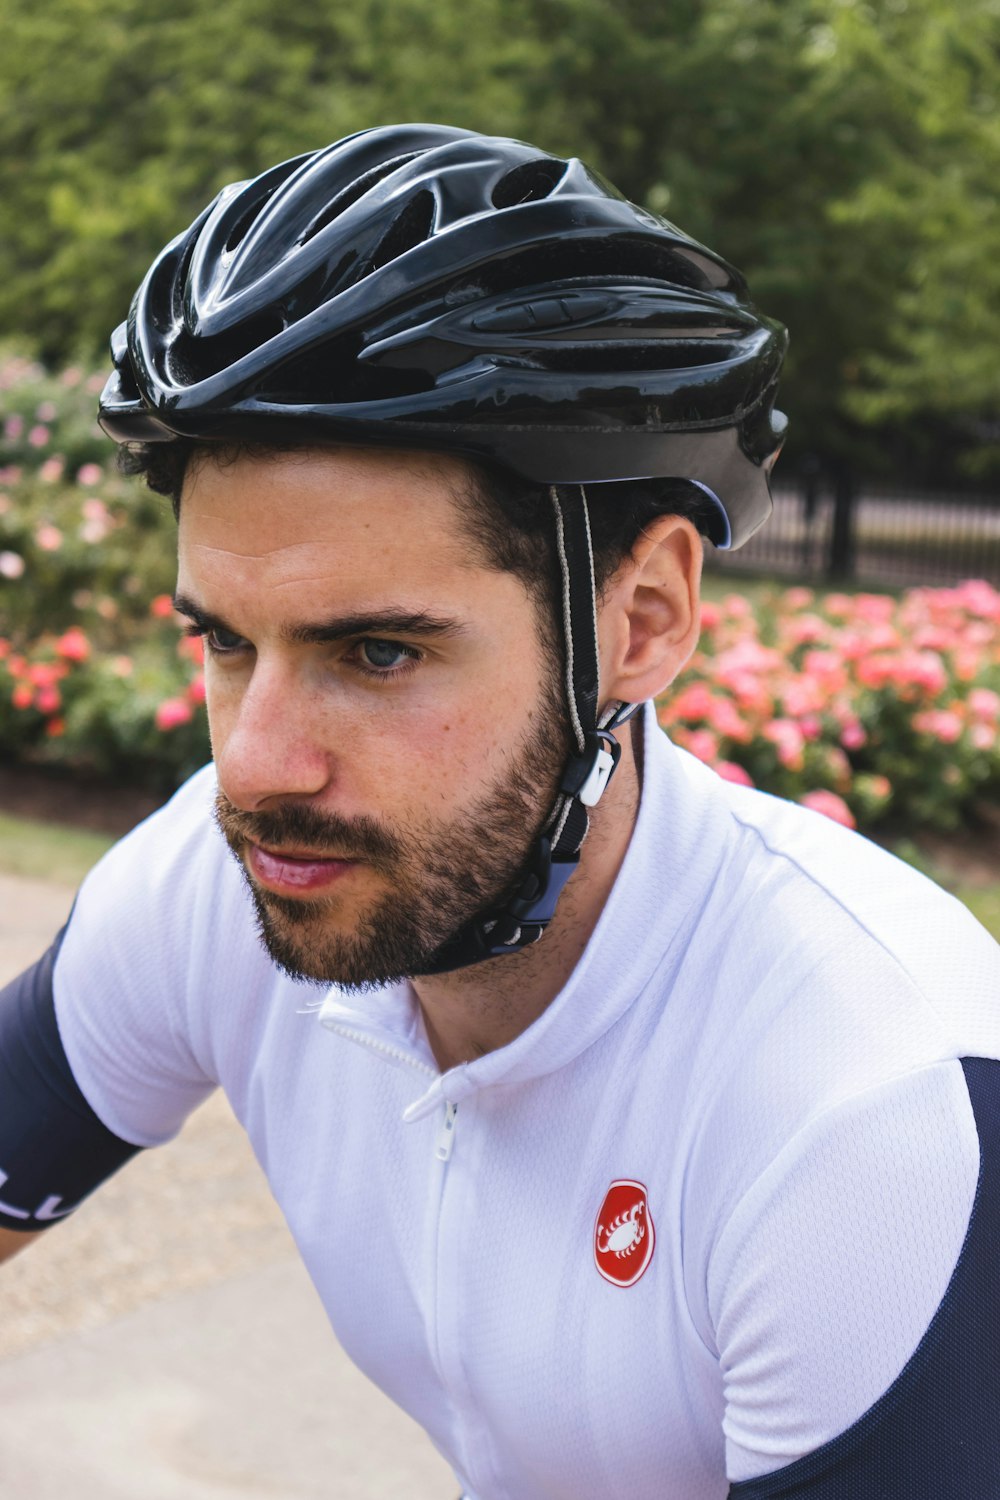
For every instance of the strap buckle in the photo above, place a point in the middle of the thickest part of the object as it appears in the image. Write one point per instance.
(586, 776)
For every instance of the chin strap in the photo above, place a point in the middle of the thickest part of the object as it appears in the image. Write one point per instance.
(555, 854)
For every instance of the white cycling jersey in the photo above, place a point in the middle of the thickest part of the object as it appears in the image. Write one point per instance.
(719, 1211)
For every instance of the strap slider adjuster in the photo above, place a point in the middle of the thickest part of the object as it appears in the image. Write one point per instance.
(587, 775)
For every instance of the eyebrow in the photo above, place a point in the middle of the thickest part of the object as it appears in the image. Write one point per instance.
(383, 622)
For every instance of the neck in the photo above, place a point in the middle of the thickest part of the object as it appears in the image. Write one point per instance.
(473, 1011)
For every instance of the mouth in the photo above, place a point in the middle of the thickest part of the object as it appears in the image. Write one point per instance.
(288, 871)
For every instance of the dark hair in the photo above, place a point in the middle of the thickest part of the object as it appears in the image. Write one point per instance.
(508, 518)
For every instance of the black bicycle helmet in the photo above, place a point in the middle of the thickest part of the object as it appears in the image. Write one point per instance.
(429, 287)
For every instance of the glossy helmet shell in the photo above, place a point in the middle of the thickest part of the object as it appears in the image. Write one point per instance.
(429, 287)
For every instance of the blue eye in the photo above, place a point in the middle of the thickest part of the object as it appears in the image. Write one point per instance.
(384, 655)
(223, 641)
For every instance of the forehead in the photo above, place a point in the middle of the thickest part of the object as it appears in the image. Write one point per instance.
(276, 517)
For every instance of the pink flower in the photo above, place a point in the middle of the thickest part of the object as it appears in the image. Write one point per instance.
(724, 717)
(693, 702)
(38, 436)
(73, 645)
(13, 427)
(804, 629)
(703, 744)
(52, 470)
(853, 736)
(89, 474)
(47, 411)
(11, 565)
(983, 736)
(736, 607)
(940, 723)
(874, 607)
(798, 598)
(830, 805)
(710, 615)
(196, 689)
(71, 376)
(173, 712)
(984, 703)
(162, 607)
(23, 695)
(49, 537)
(730, 771)
(55, 727)
(45, 673)
(788, 740)
(47, 700)
(191, 648)
(803, 696)
(979, 598)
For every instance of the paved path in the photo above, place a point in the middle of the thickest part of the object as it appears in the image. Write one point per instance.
(144, 1358)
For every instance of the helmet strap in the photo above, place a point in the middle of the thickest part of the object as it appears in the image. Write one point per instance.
(522, 919)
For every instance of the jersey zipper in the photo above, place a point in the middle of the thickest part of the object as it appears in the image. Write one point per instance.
(446, 1135)
(396, 1054)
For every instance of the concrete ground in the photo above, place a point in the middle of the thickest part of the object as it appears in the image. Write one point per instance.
(165, 1342)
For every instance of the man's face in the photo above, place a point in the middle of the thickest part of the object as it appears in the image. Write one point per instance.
(387, 727)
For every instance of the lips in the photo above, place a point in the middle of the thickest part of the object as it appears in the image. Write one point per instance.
(288, 874)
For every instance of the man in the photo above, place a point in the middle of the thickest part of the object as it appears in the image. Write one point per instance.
(671, 1146)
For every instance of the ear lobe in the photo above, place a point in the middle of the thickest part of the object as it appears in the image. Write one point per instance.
(649, 624)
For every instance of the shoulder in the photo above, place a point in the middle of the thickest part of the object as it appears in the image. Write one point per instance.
(824, 971)
(842, 914)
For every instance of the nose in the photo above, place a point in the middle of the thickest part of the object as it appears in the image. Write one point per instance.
(266, 737)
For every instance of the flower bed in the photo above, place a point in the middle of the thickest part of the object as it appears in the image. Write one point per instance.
(862, 706)
(92, 674)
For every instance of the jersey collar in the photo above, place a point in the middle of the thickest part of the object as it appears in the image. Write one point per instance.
(669, 867)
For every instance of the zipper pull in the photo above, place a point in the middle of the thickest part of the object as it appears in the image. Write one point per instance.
(446, 1135)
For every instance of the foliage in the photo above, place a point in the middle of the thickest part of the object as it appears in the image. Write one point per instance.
(844, 156)
(91, 671)
(936, 202)
(865, 707)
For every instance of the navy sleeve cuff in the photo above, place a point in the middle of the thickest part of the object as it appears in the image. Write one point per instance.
(53, 1148)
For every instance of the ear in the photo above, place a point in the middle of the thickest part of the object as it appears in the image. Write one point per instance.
(648, 622)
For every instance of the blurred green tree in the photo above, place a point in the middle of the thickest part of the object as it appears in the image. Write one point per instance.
(843, 155)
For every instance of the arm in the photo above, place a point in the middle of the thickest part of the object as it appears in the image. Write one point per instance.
(868, 1344)
(53, 1148)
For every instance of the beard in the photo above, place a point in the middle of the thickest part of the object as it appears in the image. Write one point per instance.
(438, 875)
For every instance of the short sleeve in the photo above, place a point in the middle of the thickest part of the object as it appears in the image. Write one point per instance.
(833, 1267)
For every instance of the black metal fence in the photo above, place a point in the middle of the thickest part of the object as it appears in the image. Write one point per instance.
(894, 539)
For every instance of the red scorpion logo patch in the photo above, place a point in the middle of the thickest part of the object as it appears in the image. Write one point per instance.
(624, 1236)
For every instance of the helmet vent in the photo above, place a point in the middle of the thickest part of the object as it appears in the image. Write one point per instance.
(351, 194)
(529, 182)
(195, 358)
(239, 230)
(411, 228)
